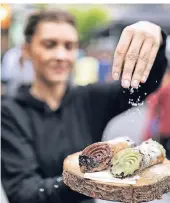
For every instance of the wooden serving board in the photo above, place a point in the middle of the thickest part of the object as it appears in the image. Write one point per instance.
(154, 182)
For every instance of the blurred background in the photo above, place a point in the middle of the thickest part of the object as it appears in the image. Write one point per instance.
(99, 28)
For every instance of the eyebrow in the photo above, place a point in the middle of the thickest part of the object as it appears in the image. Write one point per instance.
(54, 40)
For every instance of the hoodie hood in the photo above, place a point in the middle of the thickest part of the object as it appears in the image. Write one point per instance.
(27, 99)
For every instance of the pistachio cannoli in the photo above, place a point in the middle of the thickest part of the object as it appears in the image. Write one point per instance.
(130, 161)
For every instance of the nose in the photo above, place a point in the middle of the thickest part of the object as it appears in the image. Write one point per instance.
(61, 53)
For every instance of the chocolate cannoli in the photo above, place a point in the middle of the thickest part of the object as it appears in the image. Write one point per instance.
(97, 157)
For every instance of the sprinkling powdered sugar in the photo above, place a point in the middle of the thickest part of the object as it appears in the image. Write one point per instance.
(134, 104)
(56, 186)
(145, 93)
(41, 189)
(140, 104)
(131, 90)
(138, 111)
(59, 179)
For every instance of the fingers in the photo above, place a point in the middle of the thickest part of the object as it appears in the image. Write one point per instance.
(131, 58)
(151, 60)
(135, 54)
(120, 52)
(142, 62)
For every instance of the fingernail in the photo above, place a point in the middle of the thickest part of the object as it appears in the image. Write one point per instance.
(144, 79)
(126, 83)
(116, 76)
(135, 84)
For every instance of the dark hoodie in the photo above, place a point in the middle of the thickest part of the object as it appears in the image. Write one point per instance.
(35, 139)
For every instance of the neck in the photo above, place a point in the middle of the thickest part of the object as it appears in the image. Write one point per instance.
(50, 94)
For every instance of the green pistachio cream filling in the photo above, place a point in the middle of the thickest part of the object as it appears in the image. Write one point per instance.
(125, 163)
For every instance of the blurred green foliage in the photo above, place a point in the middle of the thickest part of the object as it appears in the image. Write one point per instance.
(89, 18)
(41, 6)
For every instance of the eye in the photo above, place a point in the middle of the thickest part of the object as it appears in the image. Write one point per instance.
(49, 44)
(69, 46)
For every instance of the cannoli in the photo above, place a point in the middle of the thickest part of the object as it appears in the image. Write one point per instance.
(130, 161)
(97, 156)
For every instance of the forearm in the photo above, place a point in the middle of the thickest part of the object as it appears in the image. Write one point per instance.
(37, 190)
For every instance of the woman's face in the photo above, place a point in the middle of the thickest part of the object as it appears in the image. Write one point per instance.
(53, 51)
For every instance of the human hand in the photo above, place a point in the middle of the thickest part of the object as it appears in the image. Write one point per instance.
(136, 52)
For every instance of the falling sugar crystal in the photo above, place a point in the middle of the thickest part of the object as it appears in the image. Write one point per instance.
(131, 90)
(56, 186)
(145, 93)
(41, 189)
(59, 179)
(140, 104)
(134, 104)
(138, 110)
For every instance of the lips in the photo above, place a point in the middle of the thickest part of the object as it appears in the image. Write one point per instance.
(59, 69)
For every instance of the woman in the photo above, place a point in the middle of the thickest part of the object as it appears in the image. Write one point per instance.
(41, 127)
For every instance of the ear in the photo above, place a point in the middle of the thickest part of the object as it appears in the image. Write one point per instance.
(26, 53)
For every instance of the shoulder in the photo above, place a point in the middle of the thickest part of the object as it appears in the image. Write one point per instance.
(11, 109)
(15, 119)
(9, 103)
